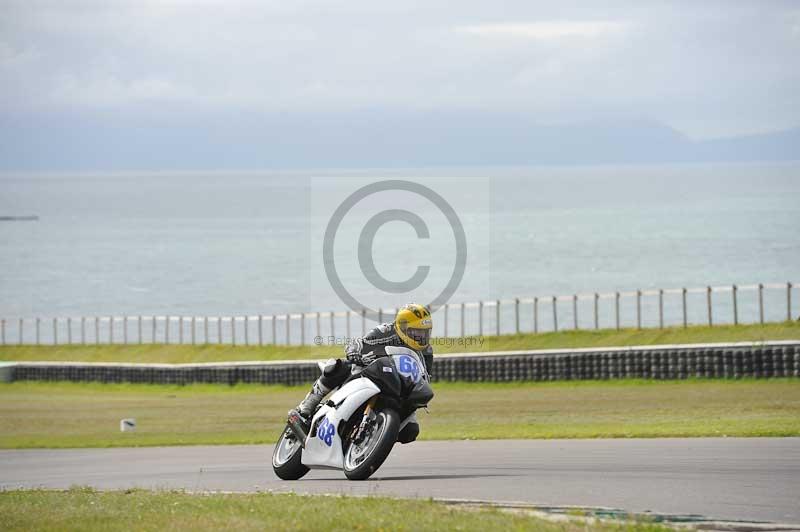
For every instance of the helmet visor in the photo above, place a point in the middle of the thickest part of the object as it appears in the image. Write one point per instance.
(421, 336)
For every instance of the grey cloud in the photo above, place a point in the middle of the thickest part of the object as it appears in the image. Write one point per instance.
(707, 69)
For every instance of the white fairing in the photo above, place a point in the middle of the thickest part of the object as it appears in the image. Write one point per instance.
(324, 449)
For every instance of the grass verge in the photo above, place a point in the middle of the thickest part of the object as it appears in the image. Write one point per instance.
(564, 339)
(87, 510)
(87, 415)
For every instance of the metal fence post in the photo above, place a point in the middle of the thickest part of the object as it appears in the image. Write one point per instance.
(111, 329)
(480, 318)
(638, 309)
(194, 338)
(596, 311)
(735, 289)
(347, 324)
(219, 329)
(139, 329)
(555, 314)
(55, 331)
(788, 301)
(462, 319)
(516, 315)
(708, 305)
(761, 303)
(69, 330)
(319, 325)
(446, 312)
(683, 304)
(20, 331)
(180, 330)
(536, 315)
(303, 327)
(83, 330)
(333, 331)
(166, 329)
(288, 329)
(155, 326)
(497, 318)
(125, 330)
(38, 336)
(616, 308)
(246, 331)
(260, 331)
(97, 329)
(363, 321)
(205, 330)
(660, 308)
(3, 330)
(233, 331)
(274, 334)
(575, 311)
(380, 315)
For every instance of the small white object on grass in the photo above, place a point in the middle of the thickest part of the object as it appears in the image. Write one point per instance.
(127, 425)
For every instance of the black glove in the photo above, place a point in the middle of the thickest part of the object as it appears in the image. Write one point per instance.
(354, 355)
(361, 360)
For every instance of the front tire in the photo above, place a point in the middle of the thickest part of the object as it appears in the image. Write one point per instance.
(287, 456)
(362, 460)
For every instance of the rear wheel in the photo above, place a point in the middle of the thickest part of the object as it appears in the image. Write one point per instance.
(287, 455)
(364, 456)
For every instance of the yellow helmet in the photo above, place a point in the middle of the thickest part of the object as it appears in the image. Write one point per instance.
(413, 324)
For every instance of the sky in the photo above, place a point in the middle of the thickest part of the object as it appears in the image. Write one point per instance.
(705, 69)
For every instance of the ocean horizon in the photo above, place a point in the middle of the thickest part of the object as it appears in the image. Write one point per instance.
(244, 243)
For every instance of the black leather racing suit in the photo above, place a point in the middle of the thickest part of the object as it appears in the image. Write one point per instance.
(362, 352)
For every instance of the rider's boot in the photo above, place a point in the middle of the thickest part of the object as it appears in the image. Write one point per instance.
(308, 405)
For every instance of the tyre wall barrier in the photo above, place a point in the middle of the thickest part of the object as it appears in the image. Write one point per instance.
(718, 361)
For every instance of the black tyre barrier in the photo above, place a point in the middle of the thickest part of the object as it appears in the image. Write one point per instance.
(732, 361)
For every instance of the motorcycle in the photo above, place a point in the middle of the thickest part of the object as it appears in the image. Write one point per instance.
(356, 428)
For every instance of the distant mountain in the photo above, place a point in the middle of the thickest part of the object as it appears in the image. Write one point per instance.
(778, 146)
(168, 139)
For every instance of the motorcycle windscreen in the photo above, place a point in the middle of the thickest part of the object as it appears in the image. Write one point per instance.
(382, 372)
(416, 389)
(409, 366)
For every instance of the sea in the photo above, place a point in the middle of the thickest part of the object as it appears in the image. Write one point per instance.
(253, 243)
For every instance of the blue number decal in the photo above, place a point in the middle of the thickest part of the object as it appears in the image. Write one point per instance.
(408, 366)
(326, 431)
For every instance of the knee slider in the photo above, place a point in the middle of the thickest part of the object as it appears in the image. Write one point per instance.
(335, 372)
(409, 433)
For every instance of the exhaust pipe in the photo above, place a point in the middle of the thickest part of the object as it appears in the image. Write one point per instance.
(297, 426)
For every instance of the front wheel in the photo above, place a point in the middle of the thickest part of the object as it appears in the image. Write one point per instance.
(287, 455)
(364, 457)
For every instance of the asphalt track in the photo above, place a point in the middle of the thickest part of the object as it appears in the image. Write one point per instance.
(751, 479)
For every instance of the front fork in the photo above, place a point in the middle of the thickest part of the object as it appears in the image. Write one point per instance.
(369, 414)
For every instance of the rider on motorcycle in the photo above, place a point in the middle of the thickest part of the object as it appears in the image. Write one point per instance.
(411, 328)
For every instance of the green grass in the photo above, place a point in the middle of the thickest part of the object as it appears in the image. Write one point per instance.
(89, 510)
(87, 415)
(563, 339)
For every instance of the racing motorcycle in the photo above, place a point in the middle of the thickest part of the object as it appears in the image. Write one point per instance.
(356, 428)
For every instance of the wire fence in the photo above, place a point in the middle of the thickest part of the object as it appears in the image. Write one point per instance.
(710, 305)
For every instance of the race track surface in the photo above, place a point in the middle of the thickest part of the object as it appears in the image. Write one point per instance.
(754, 479)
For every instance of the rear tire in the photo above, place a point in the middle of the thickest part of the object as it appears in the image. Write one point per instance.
(361, 467)
(287, 456)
